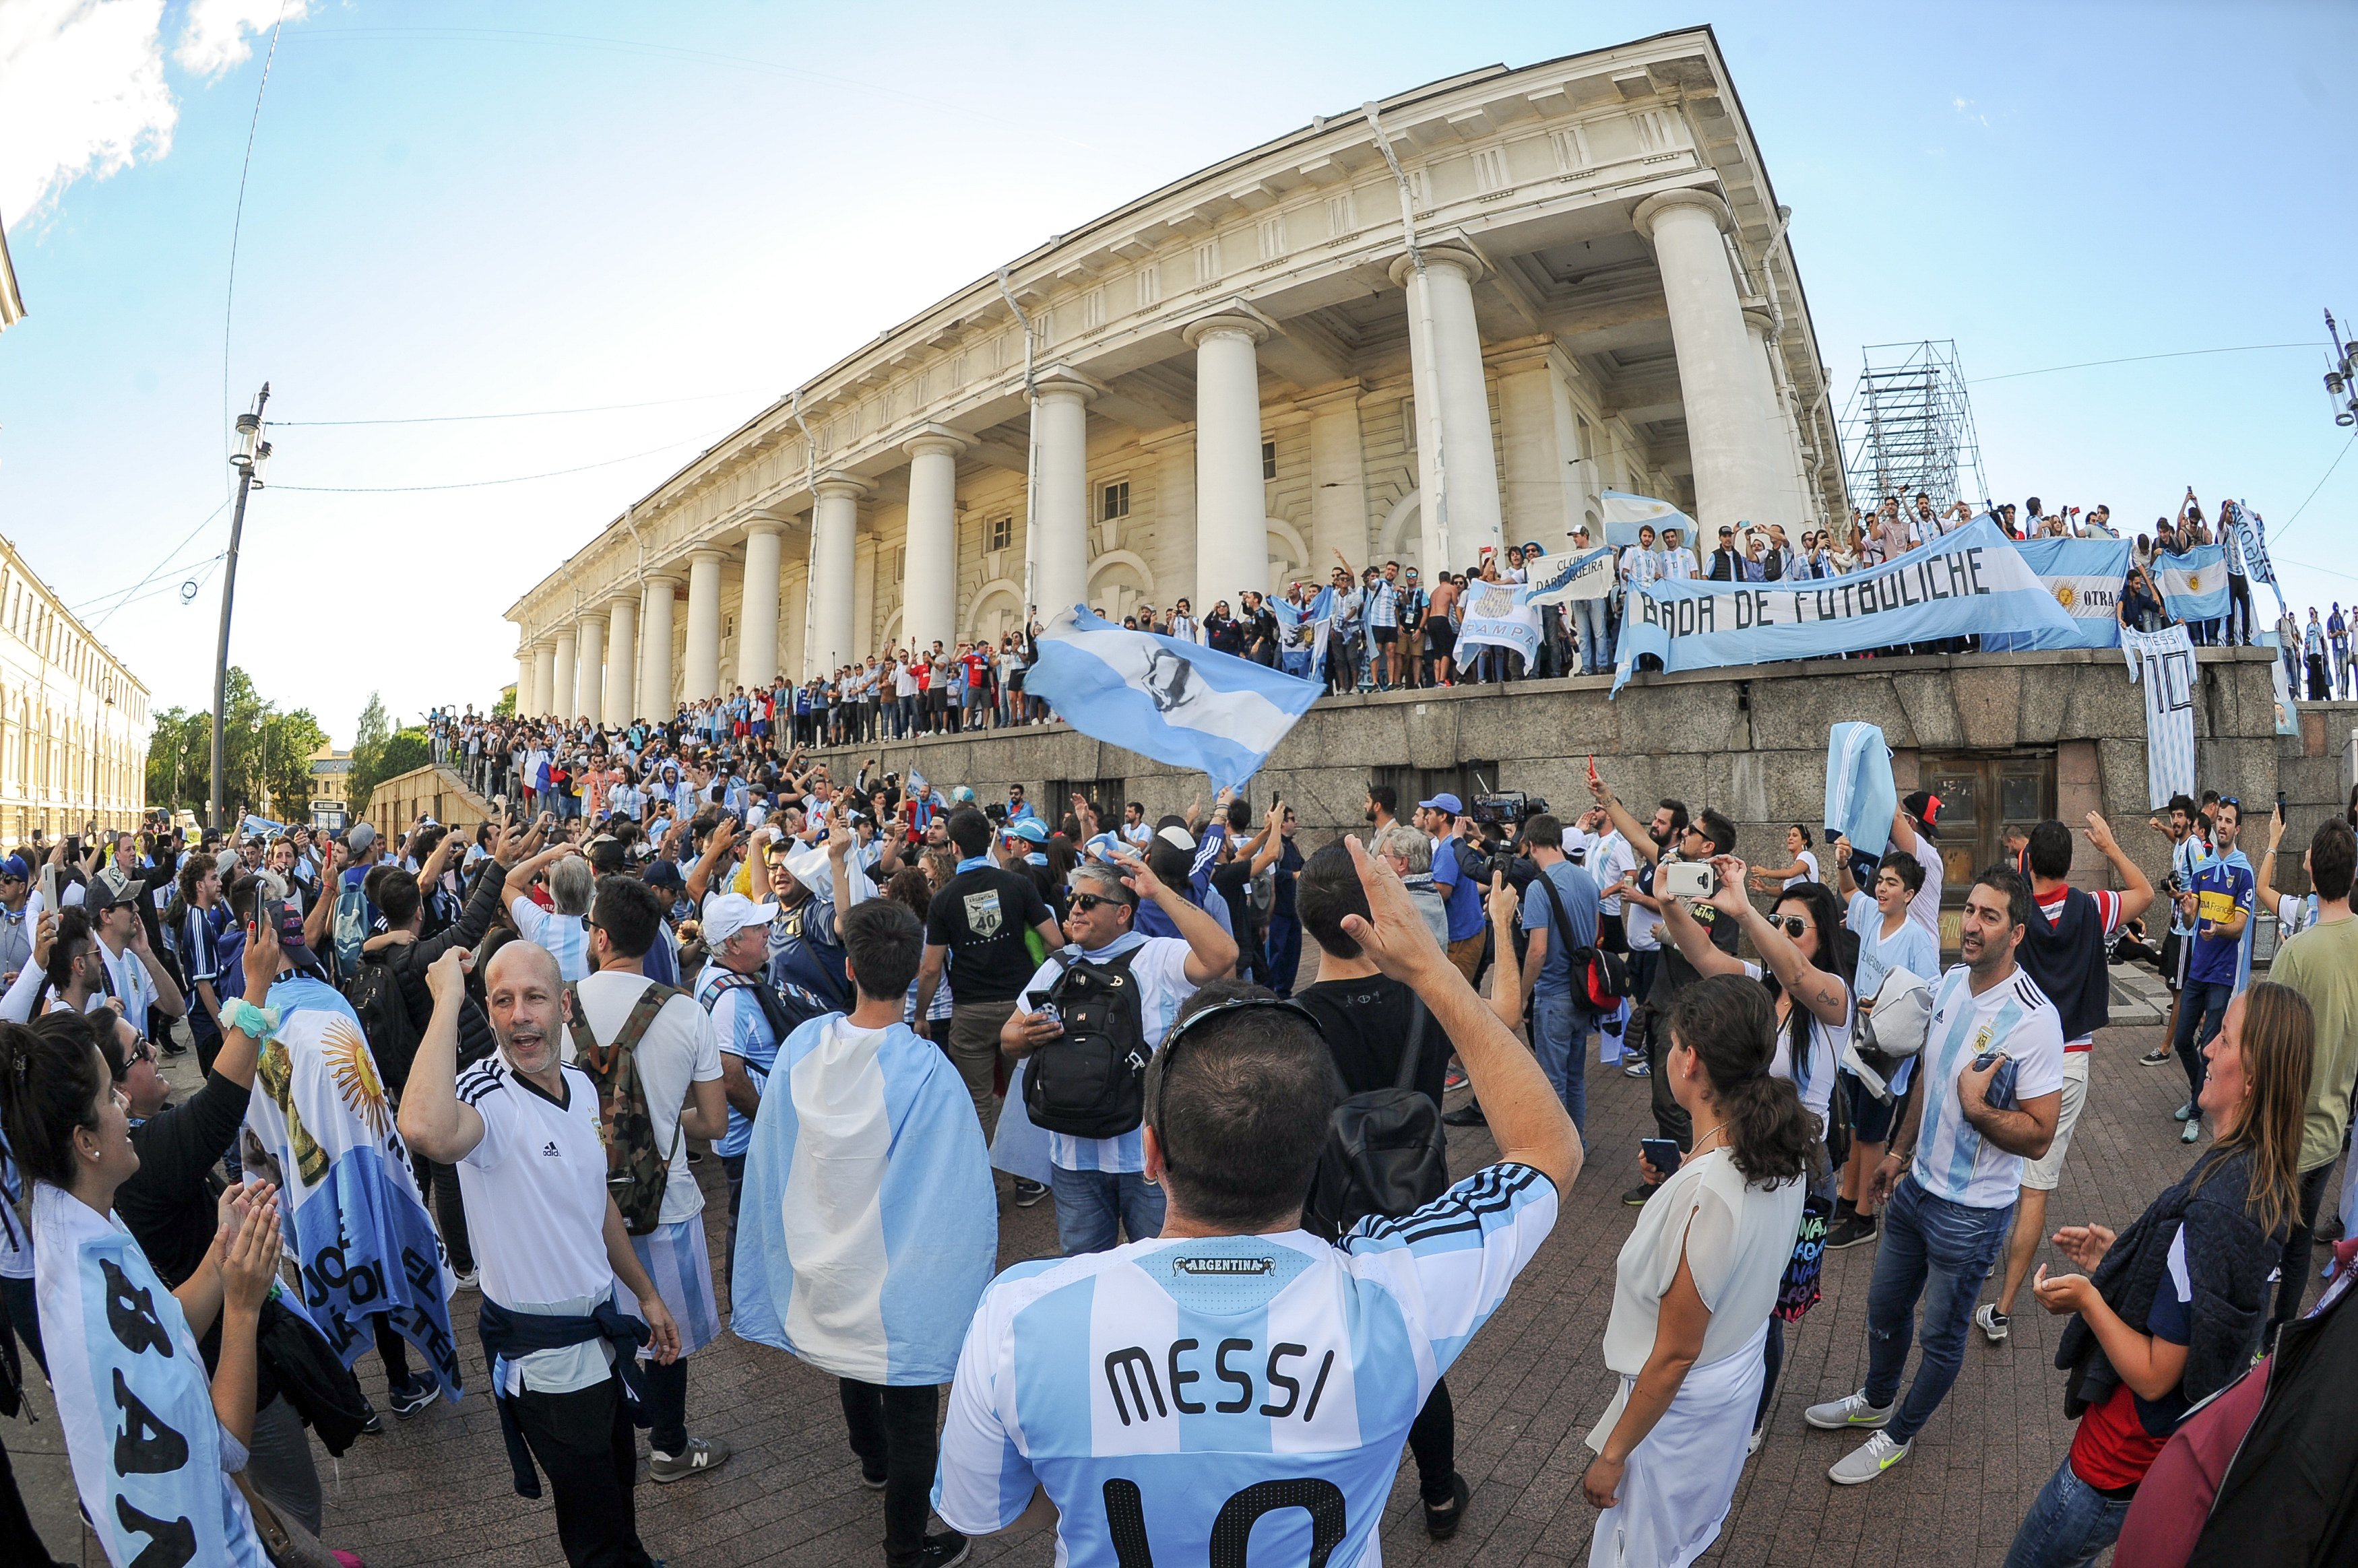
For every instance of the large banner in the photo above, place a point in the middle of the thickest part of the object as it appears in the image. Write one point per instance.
(1568, 575)
(2085, 577)
(1971, 582)
(1494, 612)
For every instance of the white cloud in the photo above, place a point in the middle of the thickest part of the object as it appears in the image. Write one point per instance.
(216, 35)
(81, 94)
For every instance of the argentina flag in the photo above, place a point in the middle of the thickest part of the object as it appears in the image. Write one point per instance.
(2194, 584)
(870, 1223)
(2085, 577)
(1165, 698)
(1625, 514)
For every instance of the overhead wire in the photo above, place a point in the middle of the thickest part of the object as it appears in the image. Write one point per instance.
(477, 483)
(2135, 358)
(237, 217)
(512, 414)
(2318, 486)
(152, 572)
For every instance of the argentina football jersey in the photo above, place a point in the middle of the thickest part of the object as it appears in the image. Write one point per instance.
(1227, 1400)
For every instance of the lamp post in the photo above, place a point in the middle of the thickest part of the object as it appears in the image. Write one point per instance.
(2342, 381)
(252, 456)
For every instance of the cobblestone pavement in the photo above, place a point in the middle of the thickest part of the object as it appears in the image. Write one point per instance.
(435, 1489)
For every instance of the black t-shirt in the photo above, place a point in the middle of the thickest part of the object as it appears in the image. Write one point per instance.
(1365, 1022)
(1675, 973)
(980, 915)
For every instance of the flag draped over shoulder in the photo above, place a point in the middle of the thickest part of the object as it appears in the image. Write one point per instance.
(1970, 582)
(870, 1223)
(133, 1397)
(362, 1238)
(2085, 577)
(1860, 796)
(2193, 584)
(1172, 701)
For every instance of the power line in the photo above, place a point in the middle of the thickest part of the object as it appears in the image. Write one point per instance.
(474, 483)
(2138, 359)
(237, 218)
(154, 572)
(517, 414)
(2319, 485)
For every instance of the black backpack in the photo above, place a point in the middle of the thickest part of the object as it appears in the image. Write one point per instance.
(375, 992)
(784, 1007)
(1090, 1081)
(1387, 1152)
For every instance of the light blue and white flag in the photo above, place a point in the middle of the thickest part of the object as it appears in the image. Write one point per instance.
(2085, 577)
(361, 1235)
(2254, 531)
(2287, 710)
(1970, 582)
(1302, 632)
(1172, 701)
(1569, 575)
(870, 1223)
(2194, 584)
(133, 1397)
(252, 826)
(1495, 612)
(1625, 514)
(1860, 794)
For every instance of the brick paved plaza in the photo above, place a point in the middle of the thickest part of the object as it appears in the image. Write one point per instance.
(435, 1489)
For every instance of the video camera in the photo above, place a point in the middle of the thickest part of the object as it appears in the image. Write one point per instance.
(1508, 808)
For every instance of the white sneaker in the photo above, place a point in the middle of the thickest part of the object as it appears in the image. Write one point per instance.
(1752, 1445)
(1993, 1323)
(1879, 1455)
(1851, 1411)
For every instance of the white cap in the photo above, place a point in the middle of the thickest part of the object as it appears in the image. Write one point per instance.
(730, 912)
(1177, 836)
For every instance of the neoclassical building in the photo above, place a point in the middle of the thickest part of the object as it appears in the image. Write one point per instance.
(1412, 331)
(73, 720)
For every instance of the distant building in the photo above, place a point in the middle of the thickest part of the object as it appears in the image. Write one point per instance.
(331, 774)
(73, 720)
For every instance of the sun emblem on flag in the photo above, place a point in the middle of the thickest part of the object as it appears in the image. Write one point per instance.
(2194, 582)
(354, 1070)
(2064, 595)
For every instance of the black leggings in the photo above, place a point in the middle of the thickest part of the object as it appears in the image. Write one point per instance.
(1434, 1441)
(2298, 1246)
(891, 1430)
(583, 1443)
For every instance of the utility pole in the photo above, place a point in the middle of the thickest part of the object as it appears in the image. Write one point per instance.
(252, 453)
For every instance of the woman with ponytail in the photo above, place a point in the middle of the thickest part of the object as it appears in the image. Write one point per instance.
(1695, 1285)
(115, 1333)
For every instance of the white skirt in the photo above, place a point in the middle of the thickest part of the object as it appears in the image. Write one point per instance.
(1678, 1481)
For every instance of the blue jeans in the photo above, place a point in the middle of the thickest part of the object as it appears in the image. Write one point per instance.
(1938, 1250)
(1588, 615)
(2201, 1009)
(1093, 1206)
(1560, 1036)
(1284, 952)
(2068, 1523)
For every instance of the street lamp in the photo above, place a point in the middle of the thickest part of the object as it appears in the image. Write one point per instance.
(2341, 380)
(253, 455)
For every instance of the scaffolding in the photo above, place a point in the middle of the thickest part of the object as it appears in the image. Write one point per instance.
(1909, 427)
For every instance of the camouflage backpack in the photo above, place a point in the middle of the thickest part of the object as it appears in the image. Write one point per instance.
(635, 1169)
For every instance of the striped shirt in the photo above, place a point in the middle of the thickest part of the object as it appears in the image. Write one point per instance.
(1953, 1161)
(1182, 1397)
(565, 937)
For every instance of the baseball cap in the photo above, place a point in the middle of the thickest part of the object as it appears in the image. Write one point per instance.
(730, 912)
(1176, 836)
(14, 866)
(361, 836)
(664, 874)
(111, 887)
(1925, 807)
(1029, 829)
(1447, 802)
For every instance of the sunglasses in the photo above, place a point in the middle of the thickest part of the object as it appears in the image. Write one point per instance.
(1793, 925)
(1085, 901)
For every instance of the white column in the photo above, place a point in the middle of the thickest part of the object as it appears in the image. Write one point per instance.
(757, 615)
(523, 683)
(1231, 506)
(929, 590)
(1173, 453)
(702, 674)
(544, 680)
(622, 659)
(1784, 441)
(562, 694)
(1060, 519)
(1724, 384)
(590, 671)
(1458, 503)
(1338, 482)
(835, 528)
(655, 649)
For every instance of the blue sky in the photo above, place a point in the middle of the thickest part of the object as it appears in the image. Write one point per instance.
(462, 209)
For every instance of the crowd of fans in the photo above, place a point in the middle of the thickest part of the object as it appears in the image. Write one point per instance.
(828, 981)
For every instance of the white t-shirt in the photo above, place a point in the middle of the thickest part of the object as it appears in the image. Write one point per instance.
(1808, 874)
(1826, 1041)
(565, 937)
(679, 1049)
(1151, 1390)
(1608, 863)
(1952, 1161)
(535, 1194)
(1161, 971)
(1924, 906)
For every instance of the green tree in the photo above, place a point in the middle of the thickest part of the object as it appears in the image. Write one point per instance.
(380, 751)
(506, 706)
(263, 750)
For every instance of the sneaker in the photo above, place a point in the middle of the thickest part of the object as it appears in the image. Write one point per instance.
(1466, 1115)
(172, 1048)
(1851, 1411)
(375, 1426)
(701, 1454)
(2193, 1131)
(1029, 1192)
(1991, 1322)
(1851, 1230)
(2155, 1058)
(1442, 1519)
(944, 1551)
(1752, 1443)
(465, 1278)
(412, 1397)
(1638, 1069)
(1879, 1455)
(1636, 1196)
(873, 1483)
(1454, 1078)
(2186, 1112)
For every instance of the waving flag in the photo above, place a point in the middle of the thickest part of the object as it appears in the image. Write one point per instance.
(2194, 584)
(131, 1396)
(1860, 794)
(1560, 577)
(2254, 531)
(1494, 612)
(1624, 514)
(871, 1227)
(361, 1235)
(1188, 706)
(2085, 577)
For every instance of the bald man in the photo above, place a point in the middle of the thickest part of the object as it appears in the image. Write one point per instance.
(522, 1128)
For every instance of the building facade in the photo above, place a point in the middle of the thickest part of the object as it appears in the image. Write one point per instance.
(1414, 331)
(73, 721)
(331, 778)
